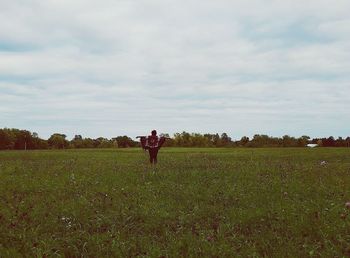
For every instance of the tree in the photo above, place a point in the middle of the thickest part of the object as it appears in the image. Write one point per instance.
(88, 143)
(7, 139)
(23, 140)
(103, 143)
(288, 141)
(58, 141)
(329, 142)
(209, 139)
(198, 140)
(244, 141)
(216, 140)
(225, 140)
(169, 141)
(77, 141)
(260, 141)
(303, 141)
(124, 141)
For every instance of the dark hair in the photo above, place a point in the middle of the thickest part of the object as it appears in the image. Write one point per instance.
(154, 132)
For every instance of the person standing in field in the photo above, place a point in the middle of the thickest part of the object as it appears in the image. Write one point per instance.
(153, 147)
(152, 143)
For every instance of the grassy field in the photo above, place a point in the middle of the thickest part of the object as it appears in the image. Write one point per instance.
(196, 203)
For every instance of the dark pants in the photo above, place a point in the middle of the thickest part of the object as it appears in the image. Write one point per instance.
(153, 152)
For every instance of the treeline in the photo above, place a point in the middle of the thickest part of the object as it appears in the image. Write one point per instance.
(259, 140)
(15, 139)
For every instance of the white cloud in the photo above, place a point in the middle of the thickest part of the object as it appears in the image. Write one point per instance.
(125, 67)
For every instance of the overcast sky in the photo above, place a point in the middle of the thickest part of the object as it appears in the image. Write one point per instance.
(109, 67)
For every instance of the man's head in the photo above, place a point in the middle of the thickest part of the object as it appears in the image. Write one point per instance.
(154, 133)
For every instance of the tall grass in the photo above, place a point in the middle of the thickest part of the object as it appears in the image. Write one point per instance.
(197, 202)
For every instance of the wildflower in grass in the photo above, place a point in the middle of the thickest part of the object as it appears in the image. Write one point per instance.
(347, 205)
(67, 221)
(210, 238)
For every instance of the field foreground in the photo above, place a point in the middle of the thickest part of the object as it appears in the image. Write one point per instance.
(196, 203)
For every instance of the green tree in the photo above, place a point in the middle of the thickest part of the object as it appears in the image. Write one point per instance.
(125, 141)
(77, 141)
(303, 141)
(103, 143)
(58, 141)
(225, 140)
(244, 141)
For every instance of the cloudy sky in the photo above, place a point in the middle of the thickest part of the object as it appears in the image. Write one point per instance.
(115, 67)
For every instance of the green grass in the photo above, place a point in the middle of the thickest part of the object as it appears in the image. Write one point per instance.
(197, 203)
